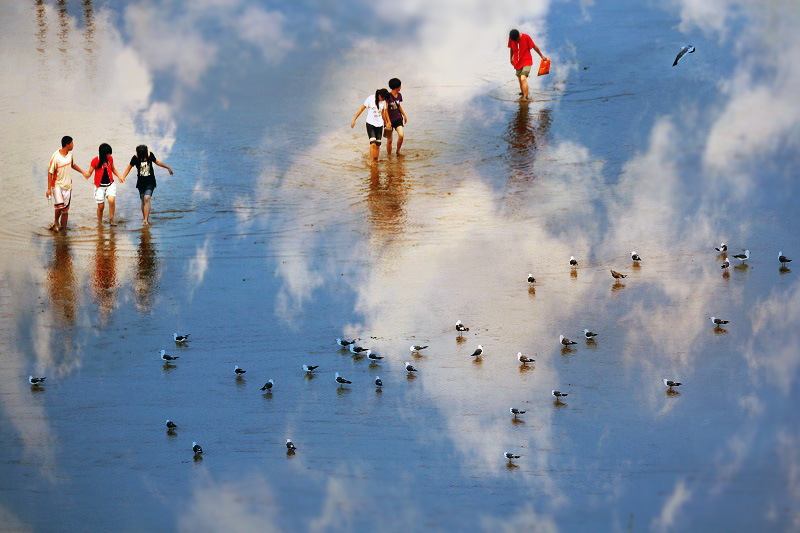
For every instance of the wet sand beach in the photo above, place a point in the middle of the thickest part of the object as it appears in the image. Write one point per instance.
(276, 235)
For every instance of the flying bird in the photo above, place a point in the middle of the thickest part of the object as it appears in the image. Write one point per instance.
(524, 358)
(688, 49)
(290, 445)
(168, 358)
(478, 351)
(635, 257)
(743, 257)
(36, 381)
(344, 343)
(378, 382)
(718, 321)
(669, 383)
(417, 348)
(531, 279)
(197, 449)
(725, 264)
(409, 367)
(180, 338)
(589, 334)
(309, 368)
(783, 259)
(514, 411)
(565, 341)
(341, 381)
(722, 247)
(373, 356)
(239, 371)
(171, 425)
(558, 394)
(268, 386)
(573, 261)
(618, 275)
(461, 327)
(509, 456)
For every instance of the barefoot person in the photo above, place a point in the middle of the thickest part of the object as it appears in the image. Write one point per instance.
(104, 186)
(144, 160)
(521, 59)
(397, 117)
(59, 182)
(377, 118)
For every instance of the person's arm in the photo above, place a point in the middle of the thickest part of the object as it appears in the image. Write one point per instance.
(89, 173)
(125, 174)
(405, 118)
(385, 115)
(538, 51)
(114, 170)
(511, 55)
(360, 110)
(162, 165)
(78, 169)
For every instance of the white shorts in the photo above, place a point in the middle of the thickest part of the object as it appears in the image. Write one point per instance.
(61, 197)
(100, 193)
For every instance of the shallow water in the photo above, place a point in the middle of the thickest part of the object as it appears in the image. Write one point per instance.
(275, 236)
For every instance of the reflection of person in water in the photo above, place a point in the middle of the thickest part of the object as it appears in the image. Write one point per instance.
(520, 45)
(386, 199)
(146, 271)
(104, 276)
(61, 281)
(524, 137)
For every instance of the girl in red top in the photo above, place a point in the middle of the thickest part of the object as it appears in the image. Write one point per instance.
(104, 186)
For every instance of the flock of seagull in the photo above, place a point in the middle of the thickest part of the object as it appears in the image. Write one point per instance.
(182, 340)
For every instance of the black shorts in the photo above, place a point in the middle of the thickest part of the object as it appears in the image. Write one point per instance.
(397, 123)
(374, 133)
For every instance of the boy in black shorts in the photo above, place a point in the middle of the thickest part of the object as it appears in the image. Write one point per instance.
(397, 116)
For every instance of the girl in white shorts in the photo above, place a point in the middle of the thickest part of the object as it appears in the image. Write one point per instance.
(104, 186)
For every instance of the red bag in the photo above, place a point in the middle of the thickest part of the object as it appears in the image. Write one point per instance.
(544, 67)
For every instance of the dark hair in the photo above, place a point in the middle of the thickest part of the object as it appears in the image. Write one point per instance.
(142, 152)
(65, 140)
(394, 83)
(105, 151)
(383, 93)
(514, 35)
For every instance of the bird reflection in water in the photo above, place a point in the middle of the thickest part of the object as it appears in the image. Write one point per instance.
(104, 275)
(386, 198)
(719, 330)
(61, 281)
(618, 285)
(146, 280)
(784, 269)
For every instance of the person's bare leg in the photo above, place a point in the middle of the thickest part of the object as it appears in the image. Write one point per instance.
(55, 227)
(523, 84)
(100, 213)
(400, 135)
(64, 218)
(111, 207)
(388, 137)
(146, 210)
(374, 151)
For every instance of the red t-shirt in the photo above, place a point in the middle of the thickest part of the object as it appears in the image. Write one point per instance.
(521, 51)
(99, 171)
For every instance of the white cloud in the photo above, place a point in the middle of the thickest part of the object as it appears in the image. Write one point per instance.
(672, 507)
(266, 30)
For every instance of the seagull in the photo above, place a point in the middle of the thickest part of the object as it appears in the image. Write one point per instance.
(565, 341)
(669, 383)
(688, 49)
(290, 445)
(783, 259)
(417, 348)
(718, 321)
(722, 247)
(558, 394)
(531, 279)
(588, 334)
(410, 368)
(573, 261)
(478, 351)
(524, 358)
(725, 264)
(171, 424)
(344, 343)
(617, 275)
(168, 358)
(180, 338)
(743, 257)
(378, 382)
(341, 381)
(239, 371)
(509, 456)
(268, 386)
(357, 349)
(309, 368)
(373, 356)
(36, 381)
(635, 257)
(197, 449)
(514, 411)
(461, 327)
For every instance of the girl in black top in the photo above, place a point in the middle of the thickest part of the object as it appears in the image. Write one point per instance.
(143, 160)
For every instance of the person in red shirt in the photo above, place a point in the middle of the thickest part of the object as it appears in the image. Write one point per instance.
(520, 45)
(104, 171)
